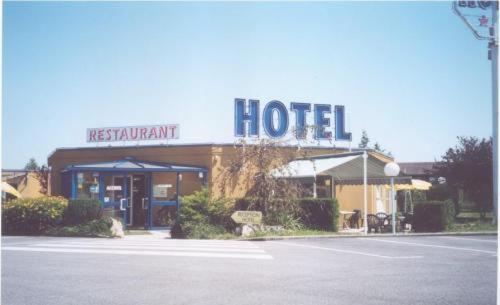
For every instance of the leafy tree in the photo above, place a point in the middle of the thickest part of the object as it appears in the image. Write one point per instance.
(31, 165)
(364, 140)
(379, 148)
(469, 166)
(42, 175)
(251, 167)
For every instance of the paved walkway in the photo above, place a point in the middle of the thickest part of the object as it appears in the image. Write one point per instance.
(144, 245)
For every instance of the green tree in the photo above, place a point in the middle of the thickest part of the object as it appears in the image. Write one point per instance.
(31, 165)
(253, 164)
(469, 166)
(379, 148)
(364, 140)
(42, 175)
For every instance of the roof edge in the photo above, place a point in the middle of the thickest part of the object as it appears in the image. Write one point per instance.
(211, 144)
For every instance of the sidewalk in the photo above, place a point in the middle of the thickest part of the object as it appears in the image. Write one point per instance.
(378, 235)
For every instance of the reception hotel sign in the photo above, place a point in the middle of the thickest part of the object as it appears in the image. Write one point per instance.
(133, 133)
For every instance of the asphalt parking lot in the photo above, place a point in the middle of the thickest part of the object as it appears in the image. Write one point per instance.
(146, 270)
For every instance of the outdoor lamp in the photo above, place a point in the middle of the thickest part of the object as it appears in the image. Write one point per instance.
(392, 170)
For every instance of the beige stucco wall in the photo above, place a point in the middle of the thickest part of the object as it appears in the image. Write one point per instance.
(199, 156)
(213, 157)
(350, 197)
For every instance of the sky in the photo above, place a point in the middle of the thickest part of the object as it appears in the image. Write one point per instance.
(409, 73)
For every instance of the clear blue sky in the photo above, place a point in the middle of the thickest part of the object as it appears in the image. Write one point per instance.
(410, 73)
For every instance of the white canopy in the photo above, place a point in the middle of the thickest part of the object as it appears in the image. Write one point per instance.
(342, 167)
(349, 168)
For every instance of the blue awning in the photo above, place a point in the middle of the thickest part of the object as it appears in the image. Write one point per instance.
(133, 165)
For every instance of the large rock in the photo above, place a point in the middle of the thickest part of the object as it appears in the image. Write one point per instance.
(247, 230)
(117, 228)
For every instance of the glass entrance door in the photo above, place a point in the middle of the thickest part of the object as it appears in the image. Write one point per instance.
(114, 195)
(139, 200)
(164, 202)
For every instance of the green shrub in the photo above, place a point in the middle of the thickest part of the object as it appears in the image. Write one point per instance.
(451, 213)
(319, 213)
(433, 216)
(94, 228)
(200, 215)
(418, 195)
(82, 211)
(202, 230)
(313, 213)
(32, 216)
(290, 223)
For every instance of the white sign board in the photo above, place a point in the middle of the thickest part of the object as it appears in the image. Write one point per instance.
(161, 190)
(133, 133)
(113, 188)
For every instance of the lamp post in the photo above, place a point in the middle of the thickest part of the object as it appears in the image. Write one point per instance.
(392, 170)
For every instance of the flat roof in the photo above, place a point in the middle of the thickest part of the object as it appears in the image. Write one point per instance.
(206, 144)
(132, 164)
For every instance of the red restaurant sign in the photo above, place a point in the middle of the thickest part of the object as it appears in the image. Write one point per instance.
(133, 133)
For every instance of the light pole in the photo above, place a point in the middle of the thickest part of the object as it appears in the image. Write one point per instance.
(392, 170)
(488, 33)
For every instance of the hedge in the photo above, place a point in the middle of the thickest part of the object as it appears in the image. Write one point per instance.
(203, 216)
(313, 213)
(95, 228)
(433, 216)
(81, 211)
(319, 213)
(32, 216)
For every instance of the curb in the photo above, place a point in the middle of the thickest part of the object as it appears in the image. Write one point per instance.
(271, 238)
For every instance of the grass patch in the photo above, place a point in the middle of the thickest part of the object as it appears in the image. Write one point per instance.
(474, 215)
(291, 233)
(472, 226)
(137, 232)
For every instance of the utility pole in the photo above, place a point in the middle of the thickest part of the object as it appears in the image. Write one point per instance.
(491, 35)
(493, 46)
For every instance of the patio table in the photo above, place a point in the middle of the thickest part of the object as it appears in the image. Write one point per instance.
(399, 221)
(345, 220)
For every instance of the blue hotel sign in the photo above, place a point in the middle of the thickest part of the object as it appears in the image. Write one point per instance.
(247, 119)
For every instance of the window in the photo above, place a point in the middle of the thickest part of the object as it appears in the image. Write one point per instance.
(164, 186)
(87, 186)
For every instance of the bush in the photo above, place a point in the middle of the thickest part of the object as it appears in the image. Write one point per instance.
(313, 213)
(82, 211)
(320, 213)
(94, 228)
(201, 215)
(32, 216)
(203, 230)
(433, 216)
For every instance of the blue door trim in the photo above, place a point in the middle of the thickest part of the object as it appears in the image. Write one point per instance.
(125, 188)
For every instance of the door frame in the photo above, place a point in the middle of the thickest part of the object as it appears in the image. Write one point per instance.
(146, 196)
(123, 203)
(153, 203)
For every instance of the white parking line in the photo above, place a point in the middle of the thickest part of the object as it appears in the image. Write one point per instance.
(162, 243)
(431, 246)
(150, 253)
(472, 239)
(350, 252)
(153, 247)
